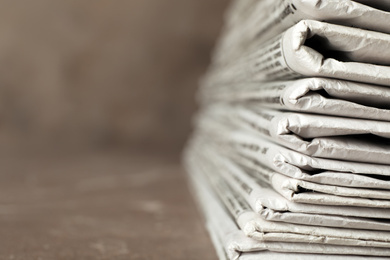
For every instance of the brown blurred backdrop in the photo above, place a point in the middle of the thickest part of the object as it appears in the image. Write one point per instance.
(96, 73)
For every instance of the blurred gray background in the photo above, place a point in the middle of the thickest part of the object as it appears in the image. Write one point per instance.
(83, 73)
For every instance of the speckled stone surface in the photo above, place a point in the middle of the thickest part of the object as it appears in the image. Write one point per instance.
(107, 205)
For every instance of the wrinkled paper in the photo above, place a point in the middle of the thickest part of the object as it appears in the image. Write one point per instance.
(261, 152)
(257, 21)
(312, 95)
(261, 193)
(314, 135)
(312, 49)
(229, 237)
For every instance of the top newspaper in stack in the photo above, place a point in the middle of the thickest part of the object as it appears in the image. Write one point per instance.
(311, 49)
(258, 21)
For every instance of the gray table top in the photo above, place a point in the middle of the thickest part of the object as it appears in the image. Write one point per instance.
(109, 205)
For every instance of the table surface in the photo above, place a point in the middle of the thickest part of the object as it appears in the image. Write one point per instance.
(100, 205)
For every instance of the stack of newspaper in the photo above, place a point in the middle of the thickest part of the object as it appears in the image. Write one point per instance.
(290, 158)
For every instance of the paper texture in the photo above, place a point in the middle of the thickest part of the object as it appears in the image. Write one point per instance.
(312, 49)
(254, 226)
(234, 240)
(258, 21)
(259, 151)
(314, 135)
(314, 95)
(290, 155)
(379, 4)
(264, 200)
(299, 166)
(260, 193)
(292, 163)
(294, 256)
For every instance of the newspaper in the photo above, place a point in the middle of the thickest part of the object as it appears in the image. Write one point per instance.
(379, 4)
(264, 200)
(313, 193)
(259, 21)
(313, 95)
(228, 236)
(216, 240)
(256, 227)
(312, 49)
(296, 189)
(272, 181)
(293, 256)
(261, 180)
(260, 152)
(315, 135)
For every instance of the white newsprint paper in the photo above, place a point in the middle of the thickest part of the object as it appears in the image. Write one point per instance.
(253, 225)
(312, 49)
(313, 193)
(261, 152)
(290, 155)
(253, 20)
(350, 139)
(227, 235)
(262, 194)
(312, 95)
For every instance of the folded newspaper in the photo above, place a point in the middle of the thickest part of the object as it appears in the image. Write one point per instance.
(312, 49)
(315, 135)
(258, 21)
(234, 242)
(261, 152)
(256, 227)
(312, 95)
(290, 157)
(248, 180)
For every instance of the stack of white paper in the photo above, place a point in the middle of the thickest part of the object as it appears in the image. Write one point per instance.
(290, 158)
